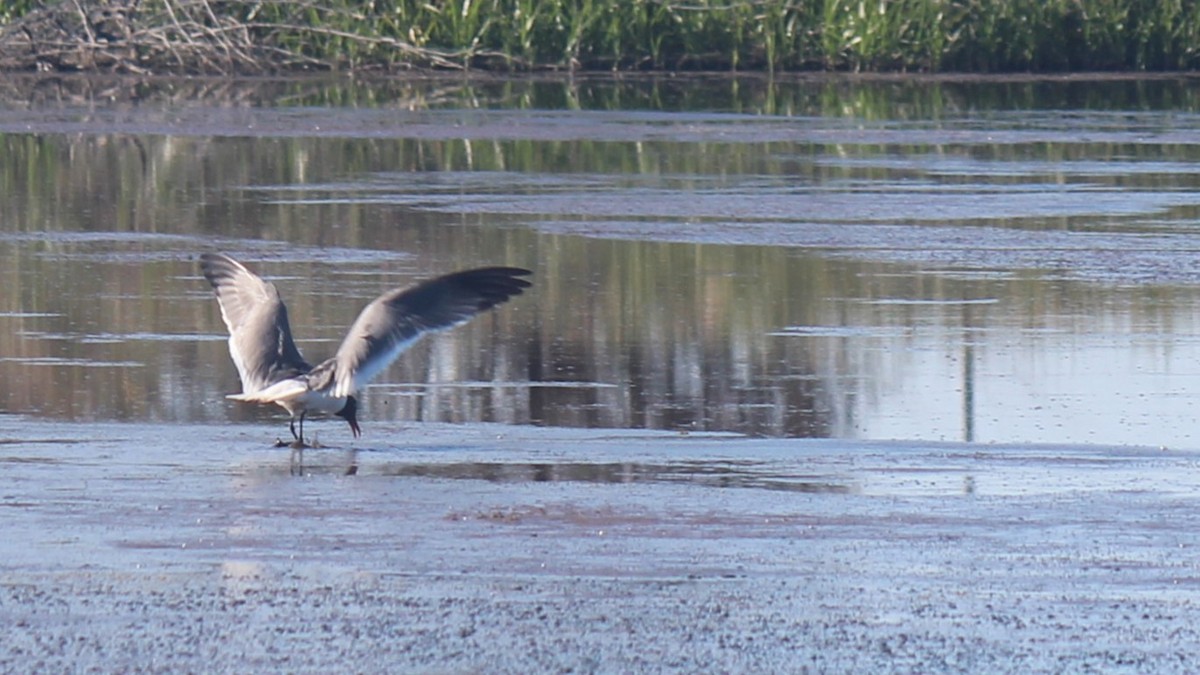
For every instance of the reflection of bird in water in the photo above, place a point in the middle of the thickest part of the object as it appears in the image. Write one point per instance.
(272, 369)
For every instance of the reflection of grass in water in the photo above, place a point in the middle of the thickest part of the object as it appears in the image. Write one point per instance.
(686, 332)
(873, 35)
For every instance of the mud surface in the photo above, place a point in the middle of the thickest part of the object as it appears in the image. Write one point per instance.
(454, 548)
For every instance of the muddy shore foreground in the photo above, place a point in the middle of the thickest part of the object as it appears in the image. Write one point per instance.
(467, 548)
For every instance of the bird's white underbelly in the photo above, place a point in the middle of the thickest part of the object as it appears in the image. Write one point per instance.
(294, 396)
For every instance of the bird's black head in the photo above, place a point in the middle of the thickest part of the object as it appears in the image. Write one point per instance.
(349, 412)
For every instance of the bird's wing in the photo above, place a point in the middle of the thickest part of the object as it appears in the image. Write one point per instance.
(260, 340)
(280, 392)
(397, 319)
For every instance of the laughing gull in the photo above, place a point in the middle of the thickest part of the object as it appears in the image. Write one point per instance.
(272, 369)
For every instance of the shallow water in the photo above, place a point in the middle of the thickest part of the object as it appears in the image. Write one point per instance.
(1011, 262)
(853, 376)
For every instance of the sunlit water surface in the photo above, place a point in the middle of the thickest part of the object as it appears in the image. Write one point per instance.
(996, 262)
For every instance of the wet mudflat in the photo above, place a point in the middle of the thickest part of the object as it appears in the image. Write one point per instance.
(846, 376)
(506, 549)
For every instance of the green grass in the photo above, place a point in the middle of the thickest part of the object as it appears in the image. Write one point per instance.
(11, 9)
(843, 35)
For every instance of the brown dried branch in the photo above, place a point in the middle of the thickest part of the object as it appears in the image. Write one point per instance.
(186, 36)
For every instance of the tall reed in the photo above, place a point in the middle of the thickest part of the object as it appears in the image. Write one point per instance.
(858, 35)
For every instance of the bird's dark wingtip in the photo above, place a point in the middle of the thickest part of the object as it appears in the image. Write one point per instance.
(214, 266)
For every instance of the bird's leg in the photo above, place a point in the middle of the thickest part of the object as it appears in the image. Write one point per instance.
(292, 427)
(299, 442)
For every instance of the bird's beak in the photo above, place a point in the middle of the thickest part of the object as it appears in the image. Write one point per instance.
(349, 412)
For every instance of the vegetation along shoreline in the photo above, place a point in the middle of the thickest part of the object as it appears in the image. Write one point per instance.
(244, 37)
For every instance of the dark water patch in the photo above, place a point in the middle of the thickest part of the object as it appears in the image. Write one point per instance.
(26, 459)
(53, 441)
(730, 474)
